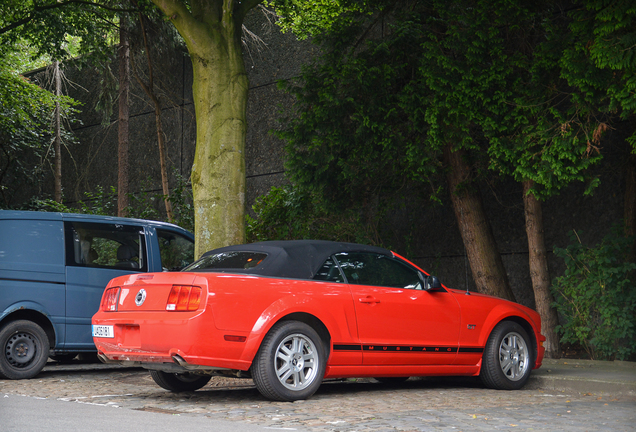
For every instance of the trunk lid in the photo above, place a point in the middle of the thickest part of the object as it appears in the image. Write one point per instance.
(149, 291)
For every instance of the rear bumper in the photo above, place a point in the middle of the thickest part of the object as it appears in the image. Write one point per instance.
(109, 353)
(188, 340)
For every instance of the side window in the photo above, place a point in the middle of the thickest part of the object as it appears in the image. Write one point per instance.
(176, 250)
(329, 272)
(378, 270)
(105, 246)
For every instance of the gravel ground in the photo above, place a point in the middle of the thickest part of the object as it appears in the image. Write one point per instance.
(345, 405)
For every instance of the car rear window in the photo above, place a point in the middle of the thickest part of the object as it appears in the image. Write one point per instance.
(228, 260)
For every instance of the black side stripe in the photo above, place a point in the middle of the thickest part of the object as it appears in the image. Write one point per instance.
(471, 350)
(347, 347)
(408, 348)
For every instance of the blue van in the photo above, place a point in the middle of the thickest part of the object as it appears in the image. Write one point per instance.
(53, 270)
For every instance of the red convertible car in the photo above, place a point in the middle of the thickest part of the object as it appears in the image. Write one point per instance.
(291, 313)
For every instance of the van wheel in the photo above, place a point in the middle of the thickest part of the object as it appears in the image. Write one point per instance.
(25, 349)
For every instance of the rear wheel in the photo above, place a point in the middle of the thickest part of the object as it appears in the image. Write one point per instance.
(508, 357)
(290, 363)
(25, 349)
(179, 382)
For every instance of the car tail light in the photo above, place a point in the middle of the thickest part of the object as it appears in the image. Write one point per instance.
(109, 299)
(184, 298)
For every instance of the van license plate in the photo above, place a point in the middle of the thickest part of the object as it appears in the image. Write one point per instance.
(104, 331)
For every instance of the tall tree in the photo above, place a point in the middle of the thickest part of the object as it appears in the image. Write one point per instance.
(123, 54)
(27, 120)
(539, 271)
(416, 96)
(25, 131)
(600, 63)
(211, 30)
(483, 78)
(149, 88)
(563, 104)
(57, 139)
(483, 254)
(95, 22)
(464, 68)
(47, 25)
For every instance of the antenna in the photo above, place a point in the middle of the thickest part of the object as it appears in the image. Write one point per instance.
(466, 270)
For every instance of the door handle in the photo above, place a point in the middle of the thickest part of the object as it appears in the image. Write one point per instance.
(368, 299)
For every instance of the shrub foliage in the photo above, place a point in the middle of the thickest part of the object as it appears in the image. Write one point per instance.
(597, 297)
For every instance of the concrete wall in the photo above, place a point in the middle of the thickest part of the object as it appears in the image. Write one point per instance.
(93, 161)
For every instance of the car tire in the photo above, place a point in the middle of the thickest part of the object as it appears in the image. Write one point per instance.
(508, 357)
(391, 380)
(25, 349)
(290, 363)
(177, 382)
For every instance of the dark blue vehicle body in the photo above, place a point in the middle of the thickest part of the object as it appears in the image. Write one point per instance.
(53, 270)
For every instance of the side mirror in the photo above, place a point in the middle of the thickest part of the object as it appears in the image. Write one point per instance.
(431, 283)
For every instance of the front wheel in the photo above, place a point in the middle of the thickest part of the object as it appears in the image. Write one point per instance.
(508, 357)
(290, 363)
(25, 349)
(179, 382)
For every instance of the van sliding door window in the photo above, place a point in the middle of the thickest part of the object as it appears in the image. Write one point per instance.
(105, 246)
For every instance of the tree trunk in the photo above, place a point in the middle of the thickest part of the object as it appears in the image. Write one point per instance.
(218, 171)
(162, 159)
(57, 141)
(483, 255)
(124, 86)
(539, 272)
(212, 32)
(148, 88)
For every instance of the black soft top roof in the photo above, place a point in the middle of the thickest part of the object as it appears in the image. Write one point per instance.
(298, 259)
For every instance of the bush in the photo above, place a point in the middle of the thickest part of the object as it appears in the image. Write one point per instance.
(288, 213)
(150, 205)
(102, 202)
(143, 205)
(597, 297)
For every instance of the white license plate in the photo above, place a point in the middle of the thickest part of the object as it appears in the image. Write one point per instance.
(104, 331)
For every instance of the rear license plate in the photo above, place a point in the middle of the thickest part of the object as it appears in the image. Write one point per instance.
(104, 331)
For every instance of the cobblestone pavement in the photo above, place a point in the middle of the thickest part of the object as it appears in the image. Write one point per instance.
(348, 405)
